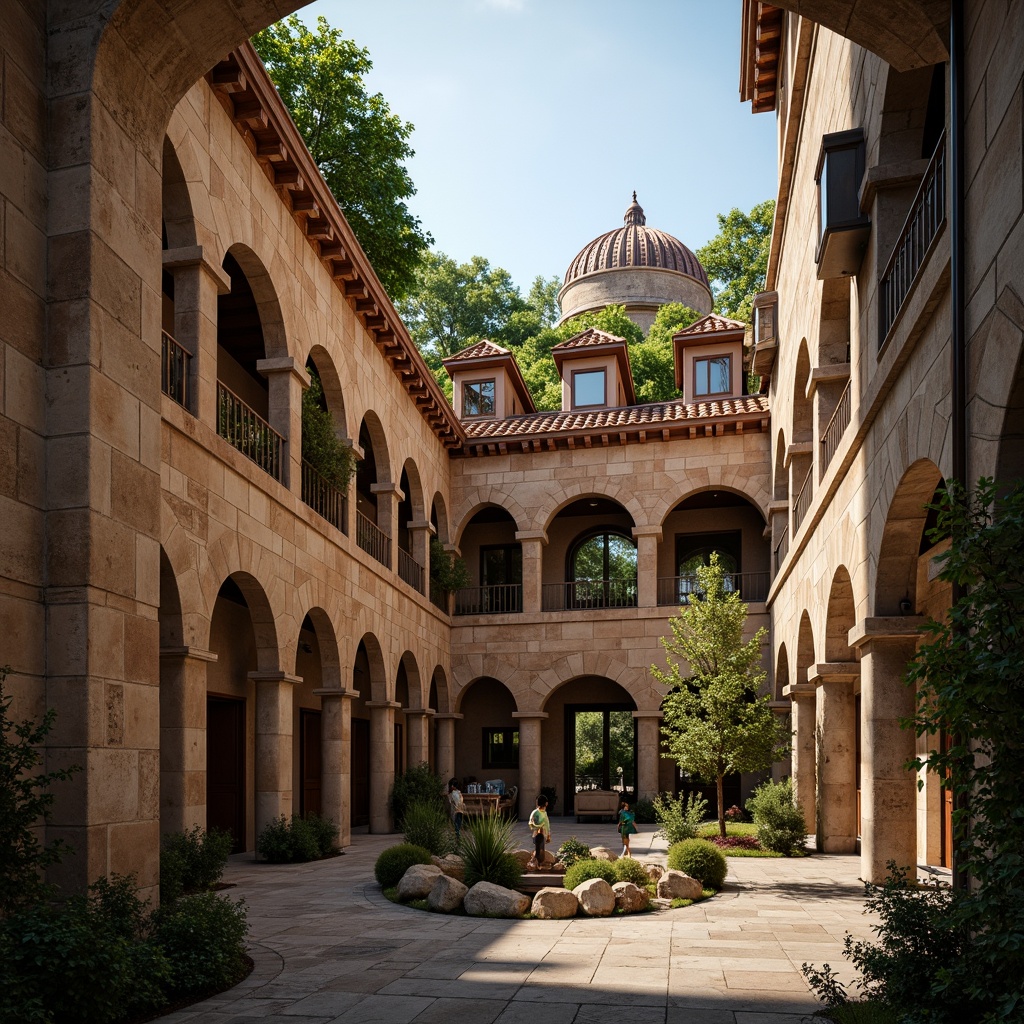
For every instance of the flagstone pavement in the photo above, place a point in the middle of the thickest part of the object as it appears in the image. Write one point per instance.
(330, 949)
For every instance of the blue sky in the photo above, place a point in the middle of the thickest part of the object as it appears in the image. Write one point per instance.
(536, 119)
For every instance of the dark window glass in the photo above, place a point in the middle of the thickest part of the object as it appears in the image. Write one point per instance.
(478, 398)
(588, 387)
(695, 550)
(501, 748)
(602, 572)
(501, 564)
(713, 376)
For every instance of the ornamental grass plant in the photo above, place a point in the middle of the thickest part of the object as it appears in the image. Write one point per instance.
(486, 847)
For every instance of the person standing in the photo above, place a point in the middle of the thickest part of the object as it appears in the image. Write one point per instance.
(627, 827)
(458, 805)
(540, 829)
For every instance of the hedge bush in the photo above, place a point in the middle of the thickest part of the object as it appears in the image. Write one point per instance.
(285, 841)
(572, 851)
(396, 860)
(779, 821)
(192, 861)
(629, 870)
(584, 870)
(679, 817)
(699, 859)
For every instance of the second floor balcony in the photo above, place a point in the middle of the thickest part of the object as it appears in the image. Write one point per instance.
(586, 594)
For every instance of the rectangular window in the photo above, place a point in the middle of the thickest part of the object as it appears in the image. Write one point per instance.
(478, 398)
(712, 376)
(501, 748)
(588, 388)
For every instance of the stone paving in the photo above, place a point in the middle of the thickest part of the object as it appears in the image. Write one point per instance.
(330, 949)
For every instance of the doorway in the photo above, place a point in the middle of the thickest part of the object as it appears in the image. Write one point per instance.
(360, 771)
(309, 761)
(225, 767)
(601, 749)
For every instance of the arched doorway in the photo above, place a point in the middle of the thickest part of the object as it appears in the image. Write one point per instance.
(487, 736)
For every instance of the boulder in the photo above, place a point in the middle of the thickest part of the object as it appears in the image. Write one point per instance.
(677, 885)
(551, 903)
(596, 897)
(654, 871)
(630, 898)
(523, 857)
(452, 865)
(549, 860)
(603, 853)
(488, 900)
(418, 881)
(446, 895)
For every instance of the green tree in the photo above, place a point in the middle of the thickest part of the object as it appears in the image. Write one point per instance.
(360, 146)
(736, 259)
(652, 359)
(715, 720)
(331, 457)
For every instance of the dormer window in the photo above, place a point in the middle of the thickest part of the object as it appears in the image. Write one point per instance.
(712, 376)
(478, 398)
(588, 388)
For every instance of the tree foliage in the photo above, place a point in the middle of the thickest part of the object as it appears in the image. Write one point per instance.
(360, 146)
(327, 453)
(715, 721)
(736, 259)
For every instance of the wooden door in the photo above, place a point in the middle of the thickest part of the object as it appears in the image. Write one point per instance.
(360, 771)
(309, 761)
(225, 767)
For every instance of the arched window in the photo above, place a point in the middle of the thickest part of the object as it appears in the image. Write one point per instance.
(695, 551)
(602, 571)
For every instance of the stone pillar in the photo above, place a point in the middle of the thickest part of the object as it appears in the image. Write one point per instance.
(836, 746)
(417, 743)
(529, 759)
(336, 759)
(804, 770)
(420, 532)
(445, 744)
(389, 495)
(888, 791)
(648, 753)
(533, 542)
(647, 540)
(799, 457)
(286, 380)
(273, 745)
(183, 737)
(778, 522)
(197, 283)
(382, 762)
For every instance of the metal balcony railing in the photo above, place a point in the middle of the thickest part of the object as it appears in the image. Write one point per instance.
(836, 428)
(372, 539)
(781, 549)
(175, 360)
(440, 598)
(927, 214)
(410, 570)
(677, 590)
(243, 428)
(803, 500)
(574, 594)
(495, 599)
(324, 499)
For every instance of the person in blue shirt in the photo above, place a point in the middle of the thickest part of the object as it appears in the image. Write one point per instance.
(627, 827)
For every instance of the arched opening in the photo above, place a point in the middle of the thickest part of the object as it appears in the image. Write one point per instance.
(803, 710)
(494, 559)
(782, 679)
(439, 538)
(368, 680)
(1010, 457)
(323, 413)
(487, 736)
(373, 498)
(801, 450)
(412, 554)
(784, 768)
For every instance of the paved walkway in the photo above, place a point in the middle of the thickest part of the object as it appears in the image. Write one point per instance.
(329, 948)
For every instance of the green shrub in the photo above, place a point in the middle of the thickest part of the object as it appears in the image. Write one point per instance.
(779, 821)
(572, 851)
(304, 840)
(429, 826)
(644, 811)
(486, 847)
(192, 861)
(629, 870)
(274, 843)
(396, 860)
(584, 870)
(679, 818)
(301, 839)
(325, 832)
(203, 939)
(417, 785)
(699, 859)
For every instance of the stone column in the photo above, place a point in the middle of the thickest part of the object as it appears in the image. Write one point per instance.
(888, 793)
(804, 771)
(648, 753)
(529, 759)
(389, 495)
(336, 759)
(286, 380)
(273, 745)
(417, 743)
(420, 532)
(533, 542)
(778, 521)
(836, 745)
(647, 540)
(183, 737)
(445, 744)
(382, 762)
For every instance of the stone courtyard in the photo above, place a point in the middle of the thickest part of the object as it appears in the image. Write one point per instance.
(329, 947)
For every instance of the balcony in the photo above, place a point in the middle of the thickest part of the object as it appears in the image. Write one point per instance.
(410, 570)
(589, 594)
(324, 499)
(174, 369)
(496, 599)
(372, 539)
(244, 429)
(836, 428)
(803, 500)
(781, 549)
(680, 590)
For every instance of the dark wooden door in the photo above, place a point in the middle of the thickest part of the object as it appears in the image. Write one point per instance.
(225, 767)
(360, 771)
(309, 761)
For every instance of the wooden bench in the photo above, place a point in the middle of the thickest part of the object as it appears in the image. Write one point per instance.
(596, 803)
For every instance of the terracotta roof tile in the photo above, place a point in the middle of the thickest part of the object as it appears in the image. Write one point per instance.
(712, 324)
(478, 351)
(591, 336)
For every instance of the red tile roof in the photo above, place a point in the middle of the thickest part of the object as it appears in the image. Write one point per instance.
(480, 350)
(591, 336)
(712, 324)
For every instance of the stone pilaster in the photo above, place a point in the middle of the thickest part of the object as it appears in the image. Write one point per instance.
(382, 762)
(533, 542)
(389, 497)
(417, 743)
(286, 380)
(803, 755)
(445, 744)
(648, 753)
(529, 759)
(420, 532)
(336, 758)
(273, 745)
(647, 540)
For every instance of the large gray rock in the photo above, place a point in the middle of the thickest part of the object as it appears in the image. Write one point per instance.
(452, 865)
(596, 897)
(417, 882)
(603, 853)
(654, 871)
(488, 900)
(550, 904)
(630, 898)
(446, 895)
(677, 885)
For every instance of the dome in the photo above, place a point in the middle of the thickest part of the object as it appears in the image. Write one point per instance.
(635, 245)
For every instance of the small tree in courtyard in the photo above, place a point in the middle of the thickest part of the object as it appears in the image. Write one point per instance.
(715, 722)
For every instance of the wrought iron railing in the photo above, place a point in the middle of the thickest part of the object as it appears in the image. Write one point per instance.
(495, 599)
(372, 539)
(782, 548)
(836, 428)
(619, 593)
(677, 590)
(410, 570)
(323, 498)
(803, 500)
(174, 369)
(927, 214)
(440, 597)
(243, 428)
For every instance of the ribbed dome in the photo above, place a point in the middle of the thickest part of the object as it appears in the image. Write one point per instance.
(635, 245)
